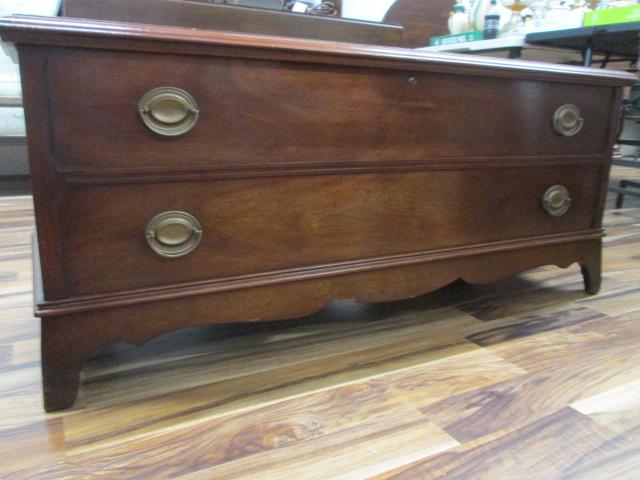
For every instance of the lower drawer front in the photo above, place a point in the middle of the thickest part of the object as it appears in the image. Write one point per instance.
(264, 224)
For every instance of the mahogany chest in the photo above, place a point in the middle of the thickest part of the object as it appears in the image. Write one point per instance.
(184, 177)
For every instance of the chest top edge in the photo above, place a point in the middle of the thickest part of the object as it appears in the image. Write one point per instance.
(80, 33)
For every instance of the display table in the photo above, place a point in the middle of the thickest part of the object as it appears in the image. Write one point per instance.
(513, 45)
(617, 41)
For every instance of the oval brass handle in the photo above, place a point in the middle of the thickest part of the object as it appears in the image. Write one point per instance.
(567, 121)
(556, 200)
(173, 234)
(168, 111)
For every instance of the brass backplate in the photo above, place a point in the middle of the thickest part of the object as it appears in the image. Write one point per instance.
(168, 111)
(567, 121)
(556, 200)
(173, 234)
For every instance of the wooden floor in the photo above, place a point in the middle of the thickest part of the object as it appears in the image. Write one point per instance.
(528, 378)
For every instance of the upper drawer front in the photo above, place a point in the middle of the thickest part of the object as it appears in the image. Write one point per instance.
(254, 112)
(266, 224)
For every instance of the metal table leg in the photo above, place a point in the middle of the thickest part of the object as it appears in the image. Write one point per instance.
(515, 52)
(622, 190)
(587, 55)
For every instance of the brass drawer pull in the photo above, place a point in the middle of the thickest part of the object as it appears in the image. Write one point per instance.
(168, 111)
(556, 200)
(173, 234)
(567, 121)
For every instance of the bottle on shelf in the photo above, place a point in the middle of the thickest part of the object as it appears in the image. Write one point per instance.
(458, 20)
(492, 21)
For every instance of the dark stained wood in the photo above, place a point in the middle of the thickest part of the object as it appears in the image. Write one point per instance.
(45, 179)
(319, 126)
(232, 18)
(320, 171)
(592, 273)
(615, 128)
(421, 20)
(243, 234)
(172, 291)
(69, 338)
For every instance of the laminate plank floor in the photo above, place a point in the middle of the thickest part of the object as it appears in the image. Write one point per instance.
(527, 378)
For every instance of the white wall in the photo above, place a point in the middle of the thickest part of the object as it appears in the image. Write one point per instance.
(23, 7)
(372, 10)
(29, 7)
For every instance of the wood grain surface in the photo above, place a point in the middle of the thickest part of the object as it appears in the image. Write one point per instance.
(259, 114)
(526, 378)
(270, 224)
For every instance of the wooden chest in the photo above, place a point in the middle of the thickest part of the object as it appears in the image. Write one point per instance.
(184, 177)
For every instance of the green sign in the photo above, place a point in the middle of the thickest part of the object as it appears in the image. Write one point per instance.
(453, 39)
(608, 16)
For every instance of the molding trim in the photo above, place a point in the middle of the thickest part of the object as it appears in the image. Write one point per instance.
(66, 32)
(176, 291)
(221, 171)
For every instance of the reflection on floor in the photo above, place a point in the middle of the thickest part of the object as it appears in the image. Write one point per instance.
(525, 378)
